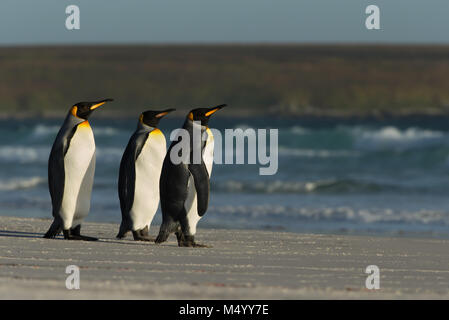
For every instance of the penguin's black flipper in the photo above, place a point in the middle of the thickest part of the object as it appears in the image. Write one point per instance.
(201, 180)
(56, 172)
(127, 179)
(56, 176)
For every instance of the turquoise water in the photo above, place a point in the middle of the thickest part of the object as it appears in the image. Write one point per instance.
(382, 178)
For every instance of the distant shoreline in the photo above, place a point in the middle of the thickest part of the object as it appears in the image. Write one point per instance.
(291, 80)
(336, 116)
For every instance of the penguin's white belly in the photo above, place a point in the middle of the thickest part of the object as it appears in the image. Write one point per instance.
(191, 204)
(148, 168)
(208, 154)
(79, 169)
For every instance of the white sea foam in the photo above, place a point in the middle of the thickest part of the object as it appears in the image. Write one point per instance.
(44, 130)
(106, 131)
(317, 153)
(394, 138)
(24, 154)
(243, 126)
(109, 154)
(342, 214)
(277, 186)
(41, 130)
(298, 130)
(20, 183)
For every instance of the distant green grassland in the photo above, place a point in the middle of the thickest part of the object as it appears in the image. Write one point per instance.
(284, 80)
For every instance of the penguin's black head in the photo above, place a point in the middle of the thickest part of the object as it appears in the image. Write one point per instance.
(203, 114)
(83, 110)
(151, 117)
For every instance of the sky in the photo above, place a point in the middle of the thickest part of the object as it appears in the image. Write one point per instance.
(29, 22)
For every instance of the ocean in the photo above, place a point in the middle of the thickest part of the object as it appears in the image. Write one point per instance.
(347, 177)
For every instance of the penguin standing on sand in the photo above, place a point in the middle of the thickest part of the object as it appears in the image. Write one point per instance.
(140, 170)
(184, 187)
(71, 169)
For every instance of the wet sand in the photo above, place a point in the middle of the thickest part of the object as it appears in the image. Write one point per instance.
(242, 264)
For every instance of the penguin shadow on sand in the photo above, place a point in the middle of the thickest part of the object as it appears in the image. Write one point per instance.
(20, 234)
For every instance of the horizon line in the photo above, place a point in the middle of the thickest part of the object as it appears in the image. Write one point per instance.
(224, 44)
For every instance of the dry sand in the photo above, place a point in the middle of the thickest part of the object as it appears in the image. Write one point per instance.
(241, 265)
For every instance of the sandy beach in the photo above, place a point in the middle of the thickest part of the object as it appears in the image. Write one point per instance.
(241, 265)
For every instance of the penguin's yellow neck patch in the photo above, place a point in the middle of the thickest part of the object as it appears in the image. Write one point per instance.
(84, 124)
(156, 132)
(209, 134)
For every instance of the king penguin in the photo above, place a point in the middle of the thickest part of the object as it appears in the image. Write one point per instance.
(71, 168)
(184, 186)
(140, 170)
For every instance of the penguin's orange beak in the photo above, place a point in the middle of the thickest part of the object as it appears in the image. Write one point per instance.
(99, 104)
(164, 113)
(215, 109)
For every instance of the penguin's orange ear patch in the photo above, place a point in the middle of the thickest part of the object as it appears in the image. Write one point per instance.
(74, 111)
(141, 118)
(191, 116)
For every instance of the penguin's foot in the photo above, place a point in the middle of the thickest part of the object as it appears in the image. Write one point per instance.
(121, 236)
(189, 241)
(180, 237)
(77, 230)
(162, 237)
(142, 235)
(84, 238)
(73, 234)
(123, 231)
(138, 236)
(54, 230)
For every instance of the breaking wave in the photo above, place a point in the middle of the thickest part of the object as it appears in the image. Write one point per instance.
(304, 187)
(39, 154)
(340, 214)
(394, 138)
(21, 183)
(24, 154)
(317, 153)
(41, 130)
